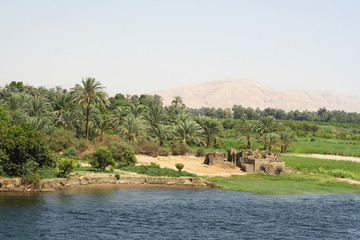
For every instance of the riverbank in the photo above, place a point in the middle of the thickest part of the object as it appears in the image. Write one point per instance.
(51, 185)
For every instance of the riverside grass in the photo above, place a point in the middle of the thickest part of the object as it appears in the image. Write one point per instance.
(285, 184)
(347, 169)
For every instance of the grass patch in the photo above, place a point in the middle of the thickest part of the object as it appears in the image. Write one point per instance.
(325, 166)
(154, 170)
(286, 184)
(46, 173)
(324, 146)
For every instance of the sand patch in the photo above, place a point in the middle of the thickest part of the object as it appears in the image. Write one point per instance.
(193, 165)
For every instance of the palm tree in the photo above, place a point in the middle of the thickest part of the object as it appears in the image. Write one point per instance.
(177, 101)
(156, 114)
(188, 131)
(269, 140)
(267, 125)
(103, 124)
(162, 133)
(287, 138)
(248, 130)
(62, 104)
(211, 128)
(132, 127)
(90, 92)
(118, 115)
(37, 107)
(137, 111)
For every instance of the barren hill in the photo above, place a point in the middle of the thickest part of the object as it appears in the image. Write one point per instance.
(249, 93)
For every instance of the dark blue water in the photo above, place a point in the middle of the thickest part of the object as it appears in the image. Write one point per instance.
(163, 213)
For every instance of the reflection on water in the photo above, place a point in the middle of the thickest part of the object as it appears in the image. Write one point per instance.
(114, 212)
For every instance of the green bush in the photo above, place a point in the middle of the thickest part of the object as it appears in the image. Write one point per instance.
(21, 144)
(66, 167)
(179, 166)
(70, 151)
(117, 176)
(61, 139)
(117, 150)
(29, 174)
(179, 149)
(127, 159)
(154, 164)
(101, 158)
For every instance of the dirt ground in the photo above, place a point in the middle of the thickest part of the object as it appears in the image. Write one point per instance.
(193, 165)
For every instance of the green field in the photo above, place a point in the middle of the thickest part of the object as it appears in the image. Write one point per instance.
(325, 146)
(286, 184)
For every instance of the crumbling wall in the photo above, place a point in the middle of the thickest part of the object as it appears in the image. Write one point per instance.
(214, 157)
(257, 162)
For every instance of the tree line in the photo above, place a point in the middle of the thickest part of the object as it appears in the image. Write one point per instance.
(240, 112)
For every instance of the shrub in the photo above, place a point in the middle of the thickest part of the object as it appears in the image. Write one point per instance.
(112, 168)
(179, 149)
(61, 139)
(127, 159)
(279, 170)
(21, 144)
(117, 176)
(154, 164)
(66, 167)
(143, 146)
(164, 152)
(179, 166)
(117, 149)
(200, 152)
(29, 174)
(101, 158)
(70, 151)
(82, 145)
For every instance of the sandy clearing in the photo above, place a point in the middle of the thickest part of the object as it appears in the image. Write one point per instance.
(331, 157)
(193, 165)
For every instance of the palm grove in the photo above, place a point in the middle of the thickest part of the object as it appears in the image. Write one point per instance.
(43, 121)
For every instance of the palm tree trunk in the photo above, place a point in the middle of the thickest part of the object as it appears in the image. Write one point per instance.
(207, 142)
(249, 144)
(87, 121)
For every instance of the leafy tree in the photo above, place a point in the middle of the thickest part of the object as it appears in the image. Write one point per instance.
(101, 158)
(21, 144)
(66, 167)
(90, 92)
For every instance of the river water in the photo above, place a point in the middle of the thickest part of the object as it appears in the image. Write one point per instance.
(115, 212)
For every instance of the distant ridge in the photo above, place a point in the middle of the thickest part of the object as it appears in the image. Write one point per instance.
(250, 93)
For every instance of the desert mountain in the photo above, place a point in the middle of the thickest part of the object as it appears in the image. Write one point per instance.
(249, 93)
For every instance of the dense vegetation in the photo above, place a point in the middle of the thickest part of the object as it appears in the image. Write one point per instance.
(42, 130)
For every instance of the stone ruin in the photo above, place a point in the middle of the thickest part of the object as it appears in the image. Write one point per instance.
(214, 157)
(256, 162)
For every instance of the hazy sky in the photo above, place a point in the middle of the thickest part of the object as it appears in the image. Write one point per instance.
(140, 46)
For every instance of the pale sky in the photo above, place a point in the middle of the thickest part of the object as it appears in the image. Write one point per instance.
(139, 46)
